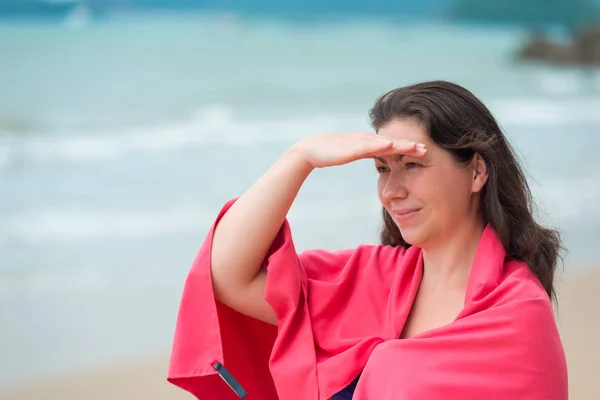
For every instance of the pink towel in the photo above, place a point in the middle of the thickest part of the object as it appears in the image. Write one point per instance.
(340, 314)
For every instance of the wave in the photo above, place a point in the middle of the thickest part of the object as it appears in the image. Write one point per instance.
(569, 82)
(68, 226)
(71, 229)
(213, 125)
(574, 203)
(546, 113)
(54, 281)
(220, 125)
(572, 200)
(55, 226)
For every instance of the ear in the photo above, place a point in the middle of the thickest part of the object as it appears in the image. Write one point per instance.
(480, 173)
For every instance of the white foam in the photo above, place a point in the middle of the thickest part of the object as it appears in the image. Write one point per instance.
(54, 281)
(575, 200)
(88, 278)
(569, 82)
(560, 83)
(67, 226)
(61, 225)
(540, 112)
(212, 125)
(220, 125)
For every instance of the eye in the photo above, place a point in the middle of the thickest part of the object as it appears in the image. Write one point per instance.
(382, 169)
(412, 165)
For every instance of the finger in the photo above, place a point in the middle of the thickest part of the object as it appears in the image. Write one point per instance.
(403, 146)
(377, 139)
(398, 144)
(366, 147)
(372, 142)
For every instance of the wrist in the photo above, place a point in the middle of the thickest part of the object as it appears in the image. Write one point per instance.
(297, 156)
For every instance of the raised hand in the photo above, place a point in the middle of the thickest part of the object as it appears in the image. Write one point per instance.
(328, 150)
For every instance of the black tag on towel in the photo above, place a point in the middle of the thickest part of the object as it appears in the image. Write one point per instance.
(229, 379)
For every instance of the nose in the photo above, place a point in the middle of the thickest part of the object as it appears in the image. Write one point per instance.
(394, 187)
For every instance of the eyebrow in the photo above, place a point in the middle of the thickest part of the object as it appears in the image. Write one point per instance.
(398, 157)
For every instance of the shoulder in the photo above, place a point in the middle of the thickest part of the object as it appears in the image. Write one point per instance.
(518, 319)
(531, 319)
(521, 291)
(517, 308)
(518, 284)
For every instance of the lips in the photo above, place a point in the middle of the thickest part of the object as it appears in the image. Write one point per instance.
(405, 211)
(404, 214)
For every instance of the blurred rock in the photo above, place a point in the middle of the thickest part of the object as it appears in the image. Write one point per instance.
(582, 50)
(587, 46)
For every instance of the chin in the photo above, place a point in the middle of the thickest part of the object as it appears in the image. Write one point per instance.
(414, 235)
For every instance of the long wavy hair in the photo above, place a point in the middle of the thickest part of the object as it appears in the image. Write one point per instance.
(456, 120)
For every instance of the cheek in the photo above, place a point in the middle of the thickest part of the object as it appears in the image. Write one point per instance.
(421, 185)
(449, 193)
(435, 186)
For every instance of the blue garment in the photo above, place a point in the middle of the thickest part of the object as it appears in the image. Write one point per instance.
(347, 392)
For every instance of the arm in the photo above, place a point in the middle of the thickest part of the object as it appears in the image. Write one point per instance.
(245, 233)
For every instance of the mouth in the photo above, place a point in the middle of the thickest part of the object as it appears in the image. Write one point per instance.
(405, 214)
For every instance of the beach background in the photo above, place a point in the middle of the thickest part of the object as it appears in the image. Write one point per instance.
(124, 128)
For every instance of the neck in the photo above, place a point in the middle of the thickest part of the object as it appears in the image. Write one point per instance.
(448, 262)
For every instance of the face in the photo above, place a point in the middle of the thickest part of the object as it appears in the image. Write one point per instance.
(427, 197)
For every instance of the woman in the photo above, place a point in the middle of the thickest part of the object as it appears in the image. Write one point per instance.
(454, 304)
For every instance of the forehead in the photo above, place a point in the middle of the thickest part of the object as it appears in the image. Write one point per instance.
(405, 129)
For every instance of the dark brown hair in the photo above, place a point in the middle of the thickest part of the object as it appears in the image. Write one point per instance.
(459, 122)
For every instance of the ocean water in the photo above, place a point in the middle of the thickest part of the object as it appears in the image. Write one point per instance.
(120, 140)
